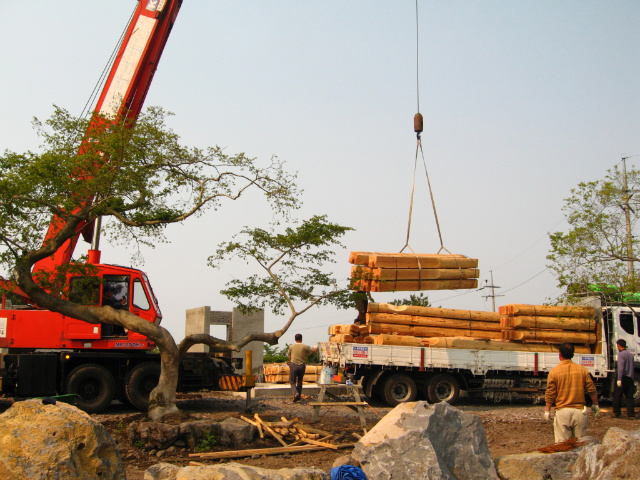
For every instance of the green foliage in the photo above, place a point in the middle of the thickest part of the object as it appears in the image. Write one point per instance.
(138, 443)
(313, 357)
(273, 354)
(137, 174)
(206, 443)
(292, 263)
(594, 250)
(419, 300)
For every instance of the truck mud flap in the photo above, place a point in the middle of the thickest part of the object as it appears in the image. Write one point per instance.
(230, 382)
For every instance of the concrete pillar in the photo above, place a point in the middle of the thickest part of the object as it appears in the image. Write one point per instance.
(197, 321)
(242, 324)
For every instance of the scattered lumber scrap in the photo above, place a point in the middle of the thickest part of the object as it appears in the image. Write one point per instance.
(292, 431)
(265, 451)
(389, 272)
(279, 373)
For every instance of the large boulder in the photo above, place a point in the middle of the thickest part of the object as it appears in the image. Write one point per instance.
(618, 456)
(55, 442)
(421, 441)
(233, 471)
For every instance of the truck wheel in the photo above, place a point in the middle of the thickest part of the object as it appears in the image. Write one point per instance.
(399, 389)
(94, 385)
(140, 381)
(443, 388)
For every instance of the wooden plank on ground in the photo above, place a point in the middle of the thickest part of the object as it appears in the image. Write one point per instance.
(264, 451)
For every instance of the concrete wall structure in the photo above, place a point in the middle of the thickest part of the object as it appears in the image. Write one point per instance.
(199, 320)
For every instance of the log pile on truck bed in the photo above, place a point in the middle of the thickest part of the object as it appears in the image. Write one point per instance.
(390, 272)
(514, 327)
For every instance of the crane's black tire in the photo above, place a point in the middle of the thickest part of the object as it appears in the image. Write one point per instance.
(94, 386)
(443, 388)
(399, 388)
(140, 381)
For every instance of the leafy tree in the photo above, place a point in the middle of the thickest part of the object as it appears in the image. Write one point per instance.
(142, 178)
(418, 300)
(596, 248)
(273, 354)
(291, 264)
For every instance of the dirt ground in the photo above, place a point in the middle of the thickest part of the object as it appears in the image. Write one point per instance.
(510, 428)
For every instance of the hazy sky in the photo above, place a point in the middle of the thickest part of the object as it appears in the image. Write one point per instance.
(521, 101)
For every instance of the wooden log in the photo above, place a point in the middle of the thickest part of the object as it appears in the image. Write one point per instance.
(363, 258)
(552, 336)
(546, 310)
(417, 285)
(406, 340)
(431, 321)
(341, 338)
(388, 274)
(410, 260)
(560, 323)
(434, 312)
(479, 344)
(348, 329)
(390, 328)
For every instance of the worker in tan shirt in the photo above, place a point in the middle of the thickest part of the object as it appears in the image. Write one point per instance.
(297, 354)
(566, 385)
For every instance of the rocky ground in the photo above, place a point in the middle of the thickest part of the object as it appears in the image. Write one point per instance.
(510, 428)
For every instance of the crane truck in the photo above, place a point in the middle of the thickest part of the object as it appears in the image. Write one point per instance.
(398, 374)
(50, 354)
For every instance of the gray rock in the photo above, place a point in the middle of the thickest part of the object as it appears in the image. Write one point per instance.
(540, 466)
(618, 456)
(236, 471)
(161, 471)
(231, 432)
(345, 460)
(421, 441)
(55, 442)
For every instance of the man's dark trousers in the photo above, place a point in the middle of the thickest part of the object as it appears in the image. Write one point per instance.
(627, 389)
(296, 375)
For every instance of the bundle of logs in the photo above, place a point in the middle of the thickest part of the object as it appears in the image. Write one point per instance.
(514, 327)
(279, 373)
(390, 272)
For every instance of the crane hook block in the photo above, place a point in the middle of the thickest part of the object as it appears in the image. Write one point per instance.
(417, 123)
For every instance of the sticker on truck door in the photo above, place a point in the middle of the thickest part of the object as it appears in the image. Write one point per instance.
(3, 328)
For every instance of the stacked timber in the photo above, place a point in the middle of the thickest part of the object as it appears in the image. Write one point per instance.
(414, 321)
(279, 373)
(389, 272)
(350, 333)
(548, 324)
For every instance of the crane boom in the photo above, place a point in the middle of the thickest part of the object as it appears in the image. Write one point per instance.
(124, 91)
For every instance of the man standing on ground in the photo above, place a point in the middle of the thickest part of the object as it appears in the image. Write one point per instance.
(566, 385)
(297, 354)
(624, 381)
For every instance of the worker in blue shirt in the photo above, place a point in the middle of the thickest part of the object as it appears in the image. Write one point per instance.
(624, 381)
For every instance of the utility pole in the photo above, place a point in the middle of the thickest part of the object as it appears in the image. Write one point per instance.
(626, 207)
(493, 291)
